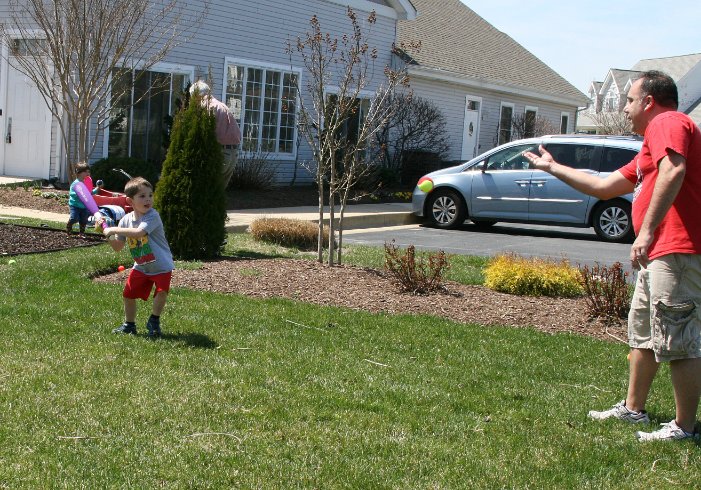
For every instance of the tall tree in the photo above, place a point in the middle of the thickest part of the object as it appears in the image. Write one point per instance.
(70, 49)
(337, 117)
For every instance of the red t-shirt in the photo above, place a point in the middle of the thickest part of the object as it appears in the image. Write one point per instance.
(680, 230)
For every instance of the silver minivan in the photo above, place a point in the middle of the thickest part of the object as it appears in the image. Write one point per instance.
(498, 185)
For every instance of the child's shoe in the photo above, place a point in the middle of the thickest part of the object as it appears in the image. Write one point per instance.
(126, 328)
(154, 328)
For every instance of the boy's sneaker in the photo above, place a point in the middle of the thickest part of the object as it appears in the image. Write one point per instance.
(620, 412)
(154, 329)
(126, 329)
(669, 432)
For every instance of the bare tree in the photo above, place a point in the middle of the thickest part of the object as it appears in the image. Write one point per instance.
(71, 49)
(612, 122)
(417, 124)
(527, 126)
(341, 123)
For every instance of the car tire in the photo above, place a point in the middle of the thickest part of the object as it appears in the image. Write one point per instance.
(613, 221)
(446, 209)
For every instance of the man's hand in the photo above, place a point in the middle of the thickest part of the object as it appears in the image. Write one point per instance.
(638, 252)
(539, 162)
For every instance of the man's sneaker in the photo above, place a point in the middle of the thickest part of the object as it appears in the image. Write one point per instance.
(126, 329)
(154, 329)
(669, 432)
(620, 412)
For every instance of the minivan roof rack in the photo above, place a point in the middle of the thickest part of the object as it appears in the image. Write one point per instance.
(633, 137)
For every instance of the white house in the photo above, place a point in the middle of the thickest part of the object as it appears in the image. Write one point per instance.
(610, 95)
(479, 77)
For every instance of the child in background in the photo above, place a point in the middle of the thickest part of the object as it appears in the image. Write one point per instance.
(142, 231)
(78, 212)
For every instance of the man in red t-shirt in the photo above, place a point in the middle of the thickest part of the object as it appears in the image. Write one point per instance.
(664, 324)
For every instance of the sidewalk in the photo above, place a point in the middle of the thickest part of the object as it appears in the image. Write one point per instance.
(357, 216)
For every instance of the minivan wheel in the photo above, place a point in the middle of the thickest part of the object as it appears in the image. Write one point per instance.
(446, 209)
(613, 221)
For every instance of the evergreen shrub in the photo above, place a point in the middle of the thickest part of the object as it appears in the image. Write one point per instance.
(115, 181)
(292, 233)
(190, 195)
(522, 276)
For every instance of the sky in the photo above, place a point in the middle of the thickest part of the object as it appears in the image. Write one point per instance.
(582, 39)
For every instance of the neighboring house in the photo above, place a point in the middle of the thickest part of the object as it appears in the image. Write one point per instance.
(481, 78)
(610, 95)
(242, 44)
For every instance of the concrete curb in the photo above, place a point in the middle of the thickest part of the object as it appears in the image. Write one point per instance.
(357, 216)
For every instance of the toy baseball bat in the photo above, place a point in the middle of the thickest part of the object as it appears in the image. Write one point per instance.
(86, 198)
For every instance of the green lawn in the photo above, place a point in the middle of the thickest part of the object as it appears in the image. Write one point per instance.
(244, 393)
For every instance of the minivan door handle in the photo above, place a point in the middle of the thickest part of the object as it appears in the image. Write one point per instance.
(538, 183)
(522, 183)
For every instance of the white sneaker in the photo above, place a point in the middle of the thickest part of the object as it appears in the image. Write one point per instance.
(620, 412)
(669, 432)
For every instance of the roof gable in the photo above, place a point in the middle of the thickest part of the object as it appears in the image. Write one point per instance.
(455, 40)
(674, 66)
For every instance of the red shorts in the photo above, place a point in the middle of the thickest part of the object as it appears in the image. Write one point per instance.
(139, 285)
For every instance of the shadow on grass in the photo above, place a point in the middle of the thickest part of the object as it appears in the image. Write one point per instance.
(197, 340)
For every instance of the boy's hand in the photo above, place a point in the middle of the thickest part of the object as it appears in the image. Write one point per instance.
(111, 232)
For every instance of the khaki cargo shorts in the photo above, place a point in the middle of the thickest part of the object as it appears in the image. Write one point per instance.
(665, 312)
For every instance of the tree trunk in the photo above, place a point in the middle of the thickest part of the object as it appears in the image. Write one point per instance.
(320, 236)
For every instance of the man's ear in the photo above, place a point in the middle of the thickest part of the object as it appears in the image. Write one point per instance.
(649, 102)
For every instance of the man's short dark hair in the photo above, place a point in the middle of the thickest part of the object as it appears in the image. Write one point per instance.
(661, 87)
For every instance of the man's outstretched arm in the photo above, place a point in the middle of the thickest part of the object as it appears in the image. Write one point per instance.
(613, 185)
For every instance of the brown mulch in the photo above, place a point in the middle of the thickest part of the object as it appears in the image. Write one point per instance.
(345, 286)
(15, 239)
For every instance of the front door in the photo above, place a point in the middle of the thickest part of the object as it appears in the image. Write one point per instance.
(27, 128)
(470, 129)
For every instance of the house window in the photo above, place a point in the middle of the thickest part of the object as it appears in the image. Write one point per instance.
(144, 102)
(505, 123)
(264, 102)
(28, 47)
(529, 121)
(564, 122)
(611, 102)
(349, 129)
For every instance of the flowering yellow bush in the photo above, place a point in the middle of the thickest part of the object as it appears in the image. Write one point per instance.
(514, 274)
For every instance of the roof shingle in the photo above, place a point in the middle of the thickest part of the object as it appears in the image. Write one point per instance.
(455, 40)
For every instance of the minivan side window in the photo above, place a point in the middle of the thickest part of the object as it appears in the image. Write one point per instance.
(510, 158)
(583, 157)
(615, 158)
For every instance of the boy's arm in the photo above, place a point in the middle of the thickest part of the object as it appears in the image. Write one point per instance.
(125, 232)
(118, 245)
